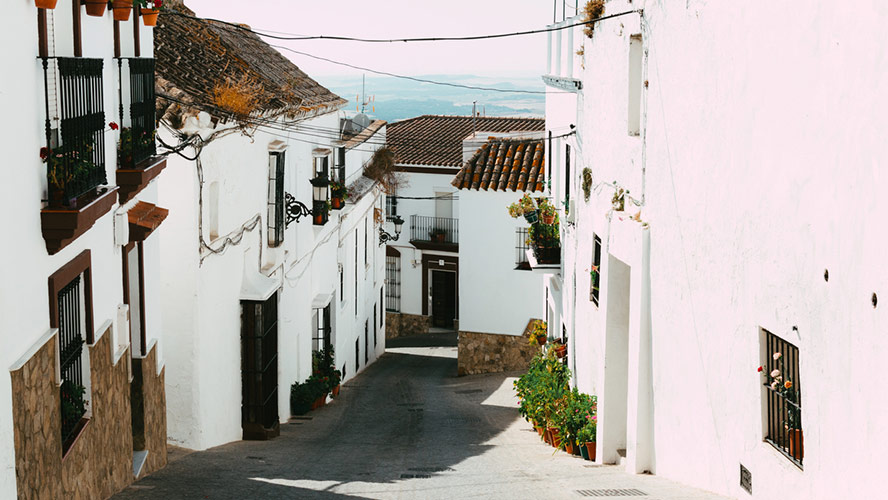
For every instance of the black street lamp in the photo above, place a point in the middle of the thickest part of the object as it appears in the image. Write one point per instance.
(384, 236)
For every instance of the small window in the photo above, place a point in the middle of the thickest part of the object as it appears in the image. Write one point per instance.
(73, 359)
(322, 166)
(635, 75)
(782, 396)
(366, 342)
(595, 271)
(391, 204)
(322, 329)
(276, 220)
(381, 302)
(374, 325)
(566, 177)
(365, 242)
(393, 283)
(341, 284)
(357, 355)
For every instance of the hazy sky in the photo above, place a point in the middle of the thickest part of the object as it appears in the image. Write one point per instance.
(524, 55)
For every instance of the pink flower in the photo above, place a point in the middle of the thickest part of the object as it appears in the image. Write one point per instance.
(776, 356)
(775, 373)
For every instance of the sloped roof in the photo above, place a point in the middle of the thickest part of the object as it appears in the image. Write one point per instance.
(193, 56)
(353, 141)
(436, 140)
(505, 165)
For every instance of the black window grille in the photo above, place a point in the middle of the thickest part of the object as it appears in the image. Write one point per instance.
(341, 284)
(322, 330)
(374, 326)
(393, 283)
(521, 247)
(434, 229)
(365, 241)
(381, 302)
(276, 206)
(259, 348)
(142, 109)
(77, 165)
(595, 272)
(566, 178)
(782, 391)
(357, 355)
(366, 342)
(71, 394)
(339, 165)
(391, 205)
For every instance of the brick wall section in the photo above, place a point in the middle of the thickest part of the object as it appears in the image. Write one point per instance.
(100, 462)
(492, 353)
(400, 324)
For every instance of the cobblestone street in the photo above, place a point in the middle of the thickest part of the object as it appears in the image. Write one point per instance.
(407, 427)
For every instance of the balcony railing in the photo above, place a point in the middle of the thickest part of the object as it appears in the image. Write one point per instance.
(140, 145)
(76, 166)
(434, 230)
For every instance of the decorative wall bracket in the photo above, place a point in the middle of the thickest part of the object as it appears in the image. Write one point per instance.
(295, 209)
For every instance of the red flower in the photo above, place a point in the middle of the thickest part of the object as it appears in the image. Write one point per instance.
(158, 4)
(113, 126)
(44, 153)
(760, 369)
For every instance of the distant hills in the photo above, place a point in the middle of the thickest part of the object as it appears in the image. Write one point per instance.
(398, 99)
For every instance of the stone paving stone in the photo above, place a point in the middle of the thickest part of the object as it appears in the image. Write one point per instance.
(405, 428)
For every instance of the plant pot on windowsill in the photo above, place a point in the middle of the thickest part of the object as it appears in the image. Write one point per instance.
(796, 444)
(95, 8)
(149, 16)
(121, 9)
(560, 350)
(548, 219)
(46, 4)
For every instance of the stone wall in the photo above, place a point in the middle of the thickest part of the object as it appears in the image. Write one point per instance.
(154, 404)
(490, 353)
(400, 324)
(99, 462)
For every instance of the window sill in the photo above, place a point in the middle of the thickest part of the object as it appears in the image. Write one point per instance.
(132, 181)
(61, 226)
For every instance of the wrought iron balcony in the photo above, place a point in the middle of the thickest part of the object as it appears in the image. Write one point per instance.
(434, 232)
(137, 164)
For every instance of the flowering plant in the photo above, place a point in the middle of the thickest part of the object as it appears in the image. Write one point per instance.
(338, 190)
(149, 4)
(523, 206)
(776, 382)
(540, 330)
(67, 165)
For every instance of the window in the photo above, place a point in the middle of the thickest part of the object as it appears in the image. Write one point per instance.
(365, 242)
(391, 205)
(366, 342)
(322, 330)
(357, 355)
(549, 160)
(374, 325)
(521, 249)
(356, 271)
(566, 178)
(339, 165)
(782, 396)
(341, 284)
(393, 283)
(635, 75)
(276, 220)
(381, 302)
(70, 308)
(595, 272)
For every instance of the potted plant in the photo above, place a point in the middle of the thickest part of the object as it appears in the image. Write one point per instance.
(437, 235)
(559, 347)
(526, 207)
(67, 169)
(150, 10)
(121, 9)
(338, 195)
(539, 333)
(301, 398)
(547, 211)
(792, 417)
(618, 202)
(336, 382)
(95, 8)
(546, 242)
(46, 4)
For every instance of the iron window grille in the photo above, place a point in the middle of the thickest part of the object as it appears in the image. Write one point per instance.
(140, 145)
(276, 206)
(357, 355)
(76, 167)
(366, 342)
(381, 302)
(322, 330)
(521, 262)
(374, 325)
(70, 337)
(782, 397)
(393, 283)
(595, 272)
(566, 178)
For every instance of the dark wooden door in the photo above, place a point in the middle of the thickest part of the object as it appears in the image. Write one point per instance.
(443, 298)
(259, 410)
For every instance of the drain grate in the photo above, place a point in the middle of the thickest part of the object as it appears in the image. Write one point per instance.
(431, 469)
(416, 476)
(620, 492)
(469, 391)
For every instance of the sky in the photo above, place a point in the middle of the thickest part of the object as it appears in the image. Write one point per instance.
(512, 56)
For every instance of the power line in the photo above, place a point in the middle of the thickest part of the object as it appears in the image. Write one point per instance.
(419, 39)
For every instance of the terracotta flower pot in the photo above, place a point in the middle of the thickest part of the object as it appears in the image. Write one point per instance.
(561, 350)
(95, 8)
(569, 447)
(336, 390)
(46, 4)
(590, 450)
(121, 9)
(541, 340)
(548, 219)
(796, 444)
(337, 203)
(539, 430)
(555, 436)
(149, 16)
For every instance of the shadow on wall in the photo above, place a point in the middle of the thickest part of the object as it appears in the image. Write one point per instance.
(406, 416)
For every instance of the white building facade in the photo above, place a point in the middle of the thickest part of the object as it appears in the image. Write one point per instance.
(262, 271)
(742, 161)
(82, 408)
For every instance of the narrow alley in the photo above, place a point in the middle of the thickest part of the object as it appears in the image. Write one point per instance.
(405, 428)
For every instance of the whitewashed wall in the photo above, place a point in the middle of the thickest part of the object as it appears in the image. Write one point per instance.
(494, 296)
(758, 156)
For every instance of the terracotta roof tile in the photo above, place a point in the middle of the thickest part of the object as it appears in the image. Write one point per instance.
(436, 140)
(504, 165)
(194, 55)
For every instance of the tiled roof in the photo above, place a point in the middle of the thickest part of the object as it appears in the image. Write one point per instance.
(353, 141)
(194, 55)
(436, 140)
(505, 165)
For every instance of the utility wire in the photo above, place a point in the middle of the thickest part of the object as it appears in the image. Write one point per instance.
(419, 39)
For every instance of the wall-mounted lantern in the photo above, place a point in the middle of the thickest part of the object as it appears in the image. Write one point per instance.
(384, 236)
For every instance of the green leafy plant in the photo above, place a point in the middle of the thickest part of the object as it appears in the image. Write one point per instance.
(619, 199)
(338, 190)
(523, 206)
(150, 4)
(544, 235)
(546, 209)
(72, 402)
(67, 165)
(540, 331)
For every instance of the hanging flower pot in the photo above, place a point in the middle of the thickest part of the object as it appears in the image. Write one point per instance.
(121, 9)
(46, 4)
(531, 217)
(149, 16)
(95, 8)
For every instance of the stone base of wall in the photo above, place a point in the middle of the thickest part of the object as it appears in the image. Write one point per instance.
(493, 353)
(100, 461)
(154, 404)
(400, 324)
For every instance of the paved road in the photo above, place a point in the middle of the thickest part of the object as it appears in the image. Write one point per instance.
(405, 428)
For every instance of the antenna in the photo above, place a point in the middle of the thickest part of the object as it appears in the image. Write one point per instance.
(474, 130)
(363, 98)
